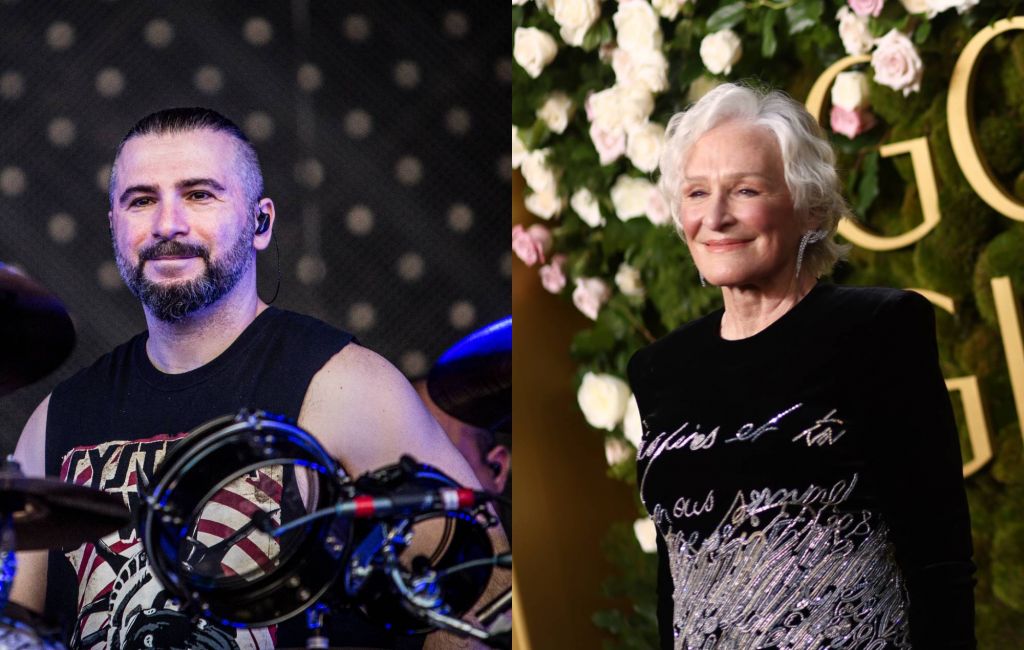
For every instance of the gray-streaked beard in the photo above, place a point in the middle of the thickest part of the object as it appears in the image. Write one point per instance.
(173, 301)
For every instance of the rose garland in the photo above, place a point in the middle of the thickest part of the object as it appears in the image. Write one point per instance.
(594, 84)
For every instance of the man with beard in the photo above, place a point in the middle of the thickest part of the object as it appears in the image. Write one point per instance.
(187, 216)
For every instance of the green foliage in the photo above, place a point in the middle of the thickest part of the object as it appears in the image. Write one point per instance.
(787, 44)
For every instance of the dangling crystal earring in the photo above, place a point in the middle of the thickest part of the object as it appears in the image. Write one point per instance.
(703, 282)
(810, 237)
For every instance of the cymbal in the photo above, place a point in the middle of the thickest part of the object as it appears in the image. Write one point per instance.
(49, 513)
(36, 334)
(472, 380)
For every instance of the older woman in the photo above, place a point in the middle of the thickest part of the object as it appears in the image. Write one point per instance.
(799, 455)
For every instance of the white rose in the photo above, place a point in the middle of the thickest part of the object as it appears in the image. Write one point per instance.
(643, 145)
(556, 111)
(589, 296)
(701, 86)
(627, 279)
(602, 398)
(649, 68)
(585, 205)
(636, 26)
(540, 176)
(609, 144)
(632, 425)
(629, 196)
(915, 6)
(544, 204)
(519, 3)
(604, 108)
(896, 63)
(646, 534)
(936, 7)
(518, 148)
(616, 451)
(668, 8)
(850, 91)
(854, 32)
(574, 18)
(637, 104)
(720, 51)
(657, 208)
(533, 49)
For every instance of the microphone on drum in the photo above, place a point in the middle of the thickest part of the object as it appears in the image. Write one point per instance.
(366, 506)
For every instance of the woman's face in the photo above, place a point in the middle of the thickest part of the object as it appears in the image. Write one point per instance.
(736, 210)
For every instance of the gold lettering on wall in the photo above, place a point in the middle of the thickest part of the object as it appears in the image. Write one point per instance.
(927, 192)
(920, 158)
(1013, 345)
(960, 118)
(977, 425)
(970, 399)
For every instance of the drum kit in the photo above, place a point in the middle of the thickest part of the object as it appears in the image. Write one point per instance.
(326, 541)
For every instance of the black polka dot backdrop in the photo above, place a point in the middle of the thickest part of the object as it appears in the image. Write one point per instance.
(377, 125)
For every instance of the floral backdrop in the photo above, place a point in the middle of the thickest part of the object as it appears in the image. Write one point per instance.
(593, 87)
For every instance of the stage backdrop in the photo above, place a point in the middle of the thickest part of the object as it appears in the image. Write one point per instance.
(924, 102)
(377, 125)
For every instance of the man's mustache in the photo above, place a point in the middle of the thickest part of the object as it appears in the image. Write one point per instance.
(173, 248)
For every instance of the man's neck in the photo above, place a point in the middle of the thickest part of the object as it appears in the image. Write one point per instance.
(185, 345)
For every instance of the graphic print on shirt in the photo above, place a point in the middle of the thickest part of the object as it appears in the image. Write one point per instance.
(813, 575)
(121, 604)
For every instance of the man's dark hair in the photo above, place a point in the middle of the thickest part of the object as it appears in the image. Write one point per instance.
(183, 120)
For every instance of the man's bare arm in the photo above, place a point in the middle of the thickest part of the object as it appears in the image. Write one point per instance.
(366, 414)
(29, 589)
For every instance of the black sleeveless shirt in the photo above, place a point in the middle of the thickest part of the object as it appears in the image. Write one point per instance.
(120, 411)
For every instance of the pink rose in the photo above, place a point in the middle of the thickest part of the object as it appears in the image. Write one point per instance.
(866, 7)
(610, 145)
(589, 295)
(896, 63)
(531, 244)
(851, 123)
(657, 208)
(552, 276)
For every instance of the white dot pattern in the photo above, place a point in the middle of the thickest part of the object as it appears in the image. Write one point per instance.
(460, 217)
(259, 126)
(62, 228)
(410, 266)
(409, 170)
(61, 132)
(108, 276)
(208, 80)
(359, 220)
(309, 77)
(12, 181)
(456, 24)
(311, 269)
(407, 74)
(109, 82)
(60, 36)
(257, 31)
(457, 121)
(361, 317)
(462, 314)
(358, 124)
(413, 363)
(12, 85)
(356, 28)
(158, 33)
(309, 173)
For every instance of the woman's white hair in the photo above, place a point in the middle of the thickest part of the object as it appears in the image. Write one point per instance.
(807, 158)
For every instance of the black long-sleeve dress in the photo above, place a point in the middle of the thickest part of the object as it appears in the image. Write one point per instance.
(806, 481)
